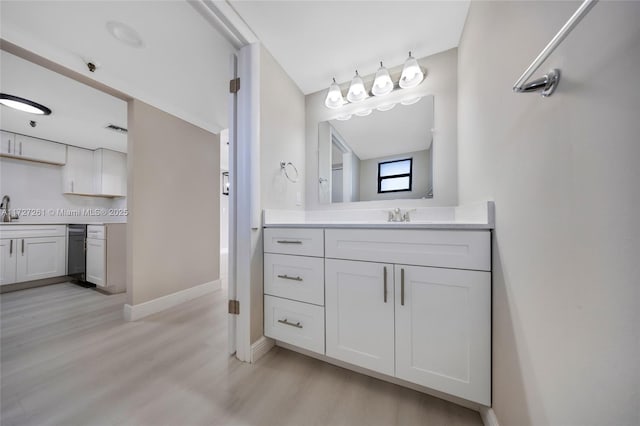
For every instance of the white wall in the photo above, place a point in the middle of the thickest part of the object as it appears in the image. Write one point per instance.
(564, 175)
(421, 175)
(39, 186)
(441, 82)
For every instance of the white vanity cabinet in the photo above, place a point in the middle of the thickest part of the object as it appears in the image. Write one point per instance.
(412, 304)
(32, 252)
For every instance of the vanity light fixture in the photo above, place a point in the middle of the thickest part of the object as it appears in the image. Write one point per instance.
(357, 92)
(412, 75)
(22, 104)
(344, 117)
(382, 85)
(334, 98)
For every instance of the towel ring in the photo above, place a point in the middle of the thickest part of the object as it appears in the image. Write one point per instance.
(283, 169)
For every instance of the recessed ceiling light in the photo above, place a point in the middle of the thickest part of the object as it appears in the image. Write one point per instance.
(125, 34)
(22, 104)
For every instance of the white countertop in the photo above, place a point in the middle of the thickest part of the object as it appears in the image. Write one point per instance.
(476, 216)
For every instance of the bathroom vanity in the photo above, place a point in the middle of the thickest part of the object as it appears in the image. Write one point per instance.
(410, 301)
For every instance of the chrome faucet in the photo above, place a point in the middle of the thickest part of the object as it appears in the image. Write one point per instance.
(4, 208)
(396, 215)
(5, 213)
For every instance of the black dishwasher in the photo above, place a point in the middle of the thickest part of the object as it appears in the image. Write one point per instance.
(76, 254)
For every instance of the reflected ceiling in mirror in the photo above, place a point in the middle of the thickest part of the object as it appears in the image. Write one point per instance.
(352, 152)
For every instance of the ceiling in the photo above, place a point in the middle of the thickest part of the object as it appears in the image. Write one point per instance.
(182, 68)
(403, 129)
(79, 112)
(315, 41)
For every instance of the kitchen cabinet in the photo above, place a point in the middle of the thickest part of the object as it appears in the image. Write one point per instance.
(78, 172)
(359, 313)
(443, 330)
(33, 149)
(96, 262)
(7, 142)
(32, 252)
(110, 178)
(106, 256)
(8, 261)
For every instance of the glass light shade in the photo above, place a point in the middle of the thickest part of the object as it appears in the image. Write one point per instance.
(334, 97)
(410, 101)
(382, 84)
(357, 92)
(412, 75)
(364, 112)
(385, 107)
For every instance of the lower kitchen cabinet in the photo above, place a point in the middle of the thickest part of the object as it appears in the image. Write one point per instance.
(443, 330)
(32, 252)
(28, 259)
(96, 262)
(8, 261)
(359, 309)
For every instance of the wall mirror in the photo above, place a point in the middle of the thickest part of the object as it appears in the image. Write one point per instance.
(385, 155)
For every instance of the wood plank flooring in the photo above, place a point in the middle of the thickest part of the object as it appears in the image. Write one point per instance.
(68, 358)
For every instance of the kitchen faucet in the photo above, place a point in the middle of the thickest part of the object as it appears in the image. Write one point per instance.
(6, 215)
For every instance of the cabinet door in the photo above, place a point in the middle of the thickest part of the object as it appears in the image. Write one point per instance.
(96, 262)
(40, 150)
(8, 259)
(77, 173)
(359, 316)
(42, 257)
(7, 142)
(443, 330)
(111, 177)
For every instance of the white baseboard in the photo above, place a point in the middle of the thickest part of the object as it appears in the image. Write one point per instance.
(261, 347)
(488, 416)
(141, 310)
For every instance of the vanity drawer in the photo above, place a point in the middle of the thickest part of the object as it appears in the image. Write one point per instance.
(438, 248)
(294, 277)
(297, 323)
(303, 242)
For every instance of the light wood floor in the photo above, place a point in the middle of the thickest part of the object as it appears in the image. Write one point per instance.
(68, 358)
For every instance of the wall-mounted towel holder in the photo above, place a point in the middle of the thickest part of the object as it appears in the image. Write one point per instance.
(547, 84)
(286, 168)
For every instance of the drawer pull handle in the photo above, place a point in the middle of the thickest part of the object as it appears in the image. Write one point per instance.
(289, 242)
(287, 277)
(23, 247)
(284, 321)
(385, 283)
(402, 286)
(10, 247)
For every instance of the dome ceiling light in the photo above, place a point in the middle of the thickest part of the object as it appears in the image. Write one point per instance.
(22, 104)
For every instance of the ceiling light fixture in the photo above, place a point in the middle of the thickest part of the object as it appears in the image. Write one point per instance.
(334, 98)
(412, 75)
(357, 92)
(125, 34)
(382, 85)
(22, 104)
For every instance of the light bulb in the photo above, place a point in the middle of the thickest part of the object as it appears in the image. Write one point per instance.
(334, 98)
(343, 117)
(412, 75)
(382, 84)
(385, 107)
(363, 112)
(411, 101)
(357, 91)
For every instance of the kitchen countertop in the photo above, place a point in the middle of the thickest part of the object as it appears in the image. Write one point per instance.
(478, 216)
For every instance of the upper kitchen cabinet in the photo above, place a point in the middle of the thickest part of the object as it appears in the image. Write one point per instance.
(110, 173)
(32, 149)
(78, 173)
